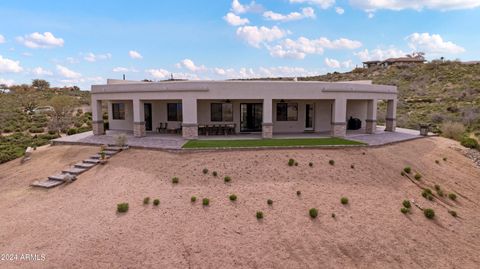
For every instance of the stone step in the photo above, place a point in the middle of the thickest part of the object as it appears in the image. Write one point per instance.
(93, 161)
(74, 170)
(109, 152)
(84, 165)
(62, 177)
(47, 184)
(97, 156)
(113, 148)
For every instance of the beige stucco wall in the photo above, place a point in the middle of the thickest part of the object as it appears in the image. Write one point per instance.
(123, 125)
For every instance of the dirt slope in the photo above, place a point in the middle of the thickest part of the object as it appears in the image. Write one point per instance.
(76, 226)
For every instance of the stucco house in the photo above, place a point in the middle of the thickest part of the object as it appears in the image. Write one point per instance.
(266, 107)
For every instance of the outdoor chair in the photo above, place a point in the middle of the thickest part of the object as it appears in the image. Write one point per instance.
(160, 127)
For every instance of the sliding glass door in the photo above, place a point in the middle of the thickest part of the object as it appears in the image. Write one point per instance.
(251, 117)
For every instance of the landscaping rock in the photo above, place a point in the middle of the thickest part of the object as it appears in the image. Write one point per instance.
(47, 184)
(63, 177)
(84, 165)
(74, 170)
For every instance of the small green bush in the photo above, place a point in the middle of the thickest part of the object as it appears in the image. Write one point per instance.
(418, 176)
(310, 164)
(437, 161)
(313, 212)
(452, 196)
(427, 194)
(259, 215)
(291, 162)
(156, 202)
(206, 201)
(35, 130)
(205, 171)
(429, 213)
(352, 166)
(437, 187)
(299, 193)
(331, 162)
(214, 173)
(440, 193)
(233, 197)
(407, 169)
(270, 202)
(404, 210)
(227, 179)
(146, 200)
(453, 213)
(193, 199)
(175, 180)
(469, 143)
(402, 174)
(122, 208)
(344, 200)
(444, 159)
(72, 131)
(406, 204)
(296, 163)
(333, 215)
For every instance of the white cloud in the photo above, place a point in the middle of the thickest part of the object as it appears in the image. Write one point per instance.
(372, 5)
(2, 39)
(67, 73)
(8, 65)
(84, 82)
(432, 44)
(8, 82)
(124, 70)
(307, 12)
(322, 3)
(39, 71)
(38, 40)
(255, 36)
(339, 10)
(72, 60)
(235, 20)
(190, 65)
(91, 57)
(379, 54)
(238, 8)
(135, 54)
(27, 54)
(333, 63)
(298, 49)
(158, 73)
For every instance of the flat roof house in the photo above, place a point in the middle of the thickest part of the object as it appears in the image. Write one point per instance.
(268, 107)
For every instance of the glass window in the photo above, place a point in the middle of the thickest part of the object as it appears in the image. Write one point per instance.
(118, 111)
(221, 112)
(287, 111)
(174, 112)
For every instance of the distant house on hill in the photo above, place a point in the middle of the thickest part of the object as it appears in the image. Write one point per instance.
(414, 59)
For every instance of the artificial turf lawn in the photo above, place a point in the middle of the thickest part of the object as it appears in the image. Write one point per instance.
(328, 141)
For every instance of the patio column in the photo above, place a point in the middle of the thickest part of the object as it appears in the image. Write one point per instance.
(371, 120)
(189, 124)
(391, 120)
(267, 123)
(97, 118)
(138, 118)
(339, 115)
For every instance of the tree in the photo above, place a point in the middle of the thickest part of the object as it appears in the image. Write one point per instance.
(40, 84)
(63, 107)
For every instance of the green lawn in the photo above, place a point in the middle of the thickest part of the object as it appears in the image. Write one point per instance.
(328, 141)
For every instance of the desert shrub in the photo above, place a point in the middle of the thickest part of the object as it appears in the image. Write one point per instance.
(227, 179)
(156, 202)
(344, 200)
(331, 162)
(146, 200)
(429, 213)
(418, 176)
(296, 163)
(469, 142)
(205, 171)
(233, 197)
(406, 204)
(259, 215)
(205, 201)
(299, 193)
(270, 202)
(404, 210)
(444, 159)
(427, 194)
(452, 196)
(193, 199)
(407, 169)
(310, 164)
(214, 173)
(84, 129)
(453, 130)
(72, 131)
(402, 174)
(352, 166)
(175, 180)
(35, 130)
(437, 187)
(52, 132)
(437, 161)
(78, 124)
(440, 193)
(313, 212)
(333, 215)
(122, 207)
(291, 162)
(453, 213)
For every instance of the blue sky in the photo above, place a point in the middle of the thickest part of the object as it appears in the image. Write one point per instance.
(85, 42)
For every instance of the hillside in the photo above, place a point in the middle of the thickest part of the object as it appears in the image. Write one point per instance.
(76, 225)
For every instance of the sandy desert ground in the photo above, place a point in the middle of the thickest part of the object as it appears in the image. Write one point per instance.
(76, 225)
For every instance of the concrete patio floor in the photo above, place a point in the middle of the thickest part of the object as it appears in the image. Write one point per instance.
(174, 142)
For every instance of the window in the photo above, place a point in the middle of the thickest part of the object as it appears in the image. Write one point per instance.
(221, 112)
(287, 111)
(118, 111)
(174, 112)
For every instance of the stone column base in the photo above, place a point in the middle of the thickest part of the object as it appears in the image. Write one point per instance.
(98, 128)
(267, 130)
(190, 130)
(371, 126)
(339, 129)
(391, 125)
(139, 129)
